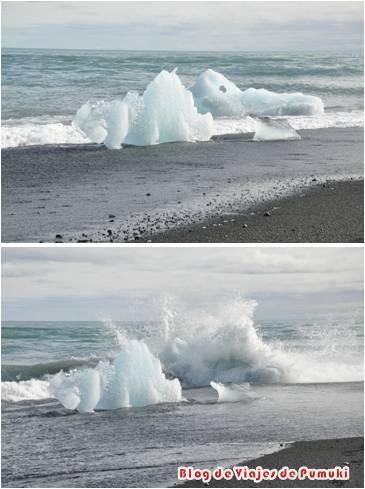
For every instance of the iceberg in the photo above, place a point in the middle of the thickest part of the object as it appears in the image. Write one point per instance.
(134, 378)
(164, 113)
(214, 93)
(168, 112)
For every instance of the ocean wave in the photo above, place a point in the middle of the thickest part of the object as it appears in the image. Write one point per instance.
(226, 125)
(25, 390)
(195, 350)
(228, 348)
(33, 134)
(10, 372)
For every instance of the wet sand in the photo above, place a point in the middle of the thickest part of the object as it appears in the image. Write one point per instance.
(325, 213)
(314, 454)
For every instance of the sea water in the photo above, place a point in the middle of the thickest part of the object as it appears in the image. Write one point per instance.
(43, 89)
(124, 403)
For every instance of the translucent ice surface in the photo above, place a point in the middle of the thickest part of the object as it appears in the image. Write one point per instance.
(164, 113)
(267, 129)
(168, 112)
(214, 93)
(134, 378)
(233, 392)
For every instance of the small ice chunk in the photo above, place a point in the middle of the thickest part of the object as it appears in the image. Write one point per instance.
(233, 392)
(267, 129)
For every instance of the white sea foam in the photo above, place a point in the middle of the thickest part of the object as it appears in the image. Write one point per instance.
(25, 390)
(24, 133)
(32, 133)
(228, 348)
(243, 125)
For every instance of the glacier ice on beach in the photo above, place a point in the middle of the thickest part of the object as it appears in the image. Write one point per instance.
(234, 392)
(168, 112)
(164, 113)
(267, 129)
(214, 93)
(134, 378)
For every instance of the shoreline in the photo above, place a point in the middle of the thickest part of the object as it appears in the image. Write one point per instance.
(88, 193)
(325, 212)
(326, 453)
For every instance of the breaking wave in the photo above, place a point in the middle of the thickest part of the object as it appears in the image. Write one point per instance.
(25, 390)
(229, 348)
(11, 372)
(224, 349)
(26, 133)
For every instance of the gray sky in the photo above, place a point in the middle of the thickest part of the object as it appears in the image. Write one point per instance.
(194, 25)
(129, 283)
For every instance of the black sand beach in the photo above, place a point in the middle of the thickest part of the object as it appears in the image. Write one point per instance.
(86, 193)
(314, 454)
(330, 212)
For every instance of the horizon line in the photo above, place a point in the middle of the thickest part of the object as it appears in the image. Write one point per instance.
(361, 48)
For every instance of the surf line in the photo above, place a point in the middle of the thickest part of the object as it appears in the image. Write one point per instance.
(259, 474)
